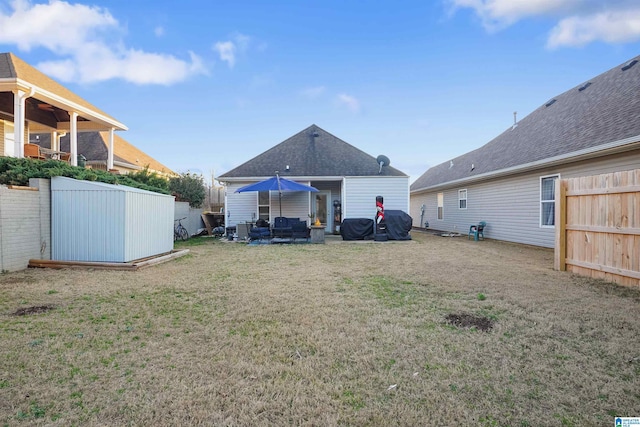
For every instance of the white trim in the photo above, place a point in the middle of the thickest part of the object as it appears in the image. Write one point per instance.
(557, 177)
(439, 206)
(63, 103)
(110, 150)
(619, 146)
(73, 138)
(466, 198)
(305, 178)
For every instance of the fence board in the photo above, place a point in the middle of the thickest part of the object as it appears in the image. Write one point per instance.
(598, 227)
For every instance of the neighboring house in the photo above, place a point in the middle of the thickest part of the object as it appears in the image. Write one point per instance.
(32, 102)
(593, 128)
(342, 173)
(94, 146)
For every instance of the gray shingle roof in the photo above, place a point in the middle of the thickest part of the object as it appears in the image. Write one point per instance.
(90, 145)
(309, 155)
(605, 111)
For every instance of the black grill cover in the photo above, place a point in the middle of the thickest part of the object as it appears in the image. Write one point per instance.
(398, 224)
(356, 229)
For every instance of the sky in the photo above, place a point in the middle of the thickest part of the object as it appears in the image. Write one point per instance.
(206, 85)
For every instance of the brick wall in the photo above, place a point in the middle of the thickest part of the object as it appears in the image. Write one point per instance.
(25, 220)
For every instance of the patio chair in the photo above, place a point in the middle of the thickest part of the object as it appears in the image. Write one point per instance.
(259, 233)
(32, 151)
(477, 231)
(282, 227)
(65, 157)
(299, 230)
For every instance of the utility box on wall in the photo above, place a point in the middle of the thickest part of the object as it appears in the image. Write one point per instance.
(98, 222)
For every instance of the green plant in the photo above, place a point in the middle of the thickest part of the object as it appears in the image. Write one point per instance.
(188, 187)
(481, 297)
(16, 171)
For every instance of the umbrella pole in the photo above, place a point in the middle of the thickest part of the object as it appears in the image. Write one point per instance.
(279, 194)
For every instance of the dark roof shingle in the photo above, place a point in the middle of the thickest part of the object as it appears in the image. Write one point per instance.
(607, 110)
(312, 152)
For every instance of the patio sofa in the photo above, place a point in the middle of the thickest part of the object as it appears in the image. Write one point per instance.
(293, 228)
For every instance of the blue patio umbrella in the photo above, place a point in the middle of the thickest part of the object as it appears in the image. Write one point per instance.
(278, 184)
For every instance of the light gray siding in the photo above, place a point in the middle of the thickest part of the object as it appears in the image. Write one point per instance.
(240, 207)
(294, 205)
(100, 222)
(243, 207)
(360, 195)
(510, 205)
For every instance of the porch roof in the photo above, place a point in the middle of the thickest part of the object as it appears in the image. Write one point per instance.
(50, 102)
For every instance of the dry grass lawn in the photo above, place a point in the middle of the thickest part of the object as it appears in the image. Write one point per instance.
(347, 333)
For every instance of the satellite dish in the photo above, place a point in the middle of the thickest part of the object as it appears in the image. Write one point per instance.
(382, 161)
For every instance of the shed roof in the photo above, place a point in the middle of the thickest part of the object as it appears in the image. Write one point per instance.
(600, 111)
(312, 152)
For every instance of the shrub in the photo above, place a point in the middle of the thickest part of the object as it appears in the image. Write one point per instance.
(15, 171)
(188, 187)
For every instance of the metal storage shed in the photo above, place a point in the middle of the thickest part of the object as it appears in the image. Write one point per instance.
(94, 221)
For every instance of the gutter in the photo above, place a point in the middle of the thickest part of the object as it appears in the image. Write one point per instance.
(306, 178)
(615, 147)
(65, 103)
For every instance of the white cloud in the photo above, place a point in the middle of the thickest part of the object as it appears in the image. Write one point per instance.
(313, 92)
(227, 52)
(349, 101)
(612, 27)
(496, 14)
(229, 49)
(579, 22)
(87, 38)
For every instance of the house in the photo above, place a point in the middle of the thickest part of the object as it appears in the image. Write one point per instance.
(592, 128)
(346, 177)
(31, 102)
(94, 146)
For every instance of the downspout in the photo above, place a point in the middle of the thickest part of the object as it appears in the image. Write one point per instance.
(19, 119)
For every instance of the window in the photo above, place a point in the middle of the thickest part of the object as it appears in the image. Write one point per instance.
(440, 205)
(462, 199)
(547, 200)
(263, 205)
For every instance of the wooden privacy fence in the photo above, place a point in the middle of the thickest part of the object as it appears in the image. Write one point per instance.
(598, 226)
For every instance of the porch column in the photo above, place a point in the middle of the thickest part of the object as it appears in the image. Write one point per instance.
(110, 150)
(55, 144)
(73, 136)
(19, 98)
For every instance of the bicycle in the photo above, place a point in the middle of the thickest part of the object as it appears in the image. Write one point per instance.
(179, 232)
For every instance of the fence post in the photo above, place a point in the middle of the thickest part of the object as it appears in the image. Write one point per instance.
(559, 262)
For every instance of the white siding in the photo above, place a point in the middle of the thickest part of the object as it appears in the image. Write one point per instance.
(148, 224)
(510, 205)
(240, 207)
(295, 204)
(360, 195)
(107, 223)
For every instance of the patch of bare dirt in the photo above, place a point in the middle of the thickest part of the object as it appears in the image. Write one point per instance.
(25, 311)
(465, 320)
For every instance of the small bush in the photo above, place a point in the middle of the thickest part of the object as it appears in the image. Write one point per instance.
(14, 171)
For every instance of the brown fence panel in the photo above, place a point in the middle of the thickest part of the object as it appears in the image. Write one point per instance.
(598, 226)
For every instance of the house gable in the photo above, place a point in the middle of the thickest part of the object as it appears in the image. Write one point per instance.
(309, 153)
